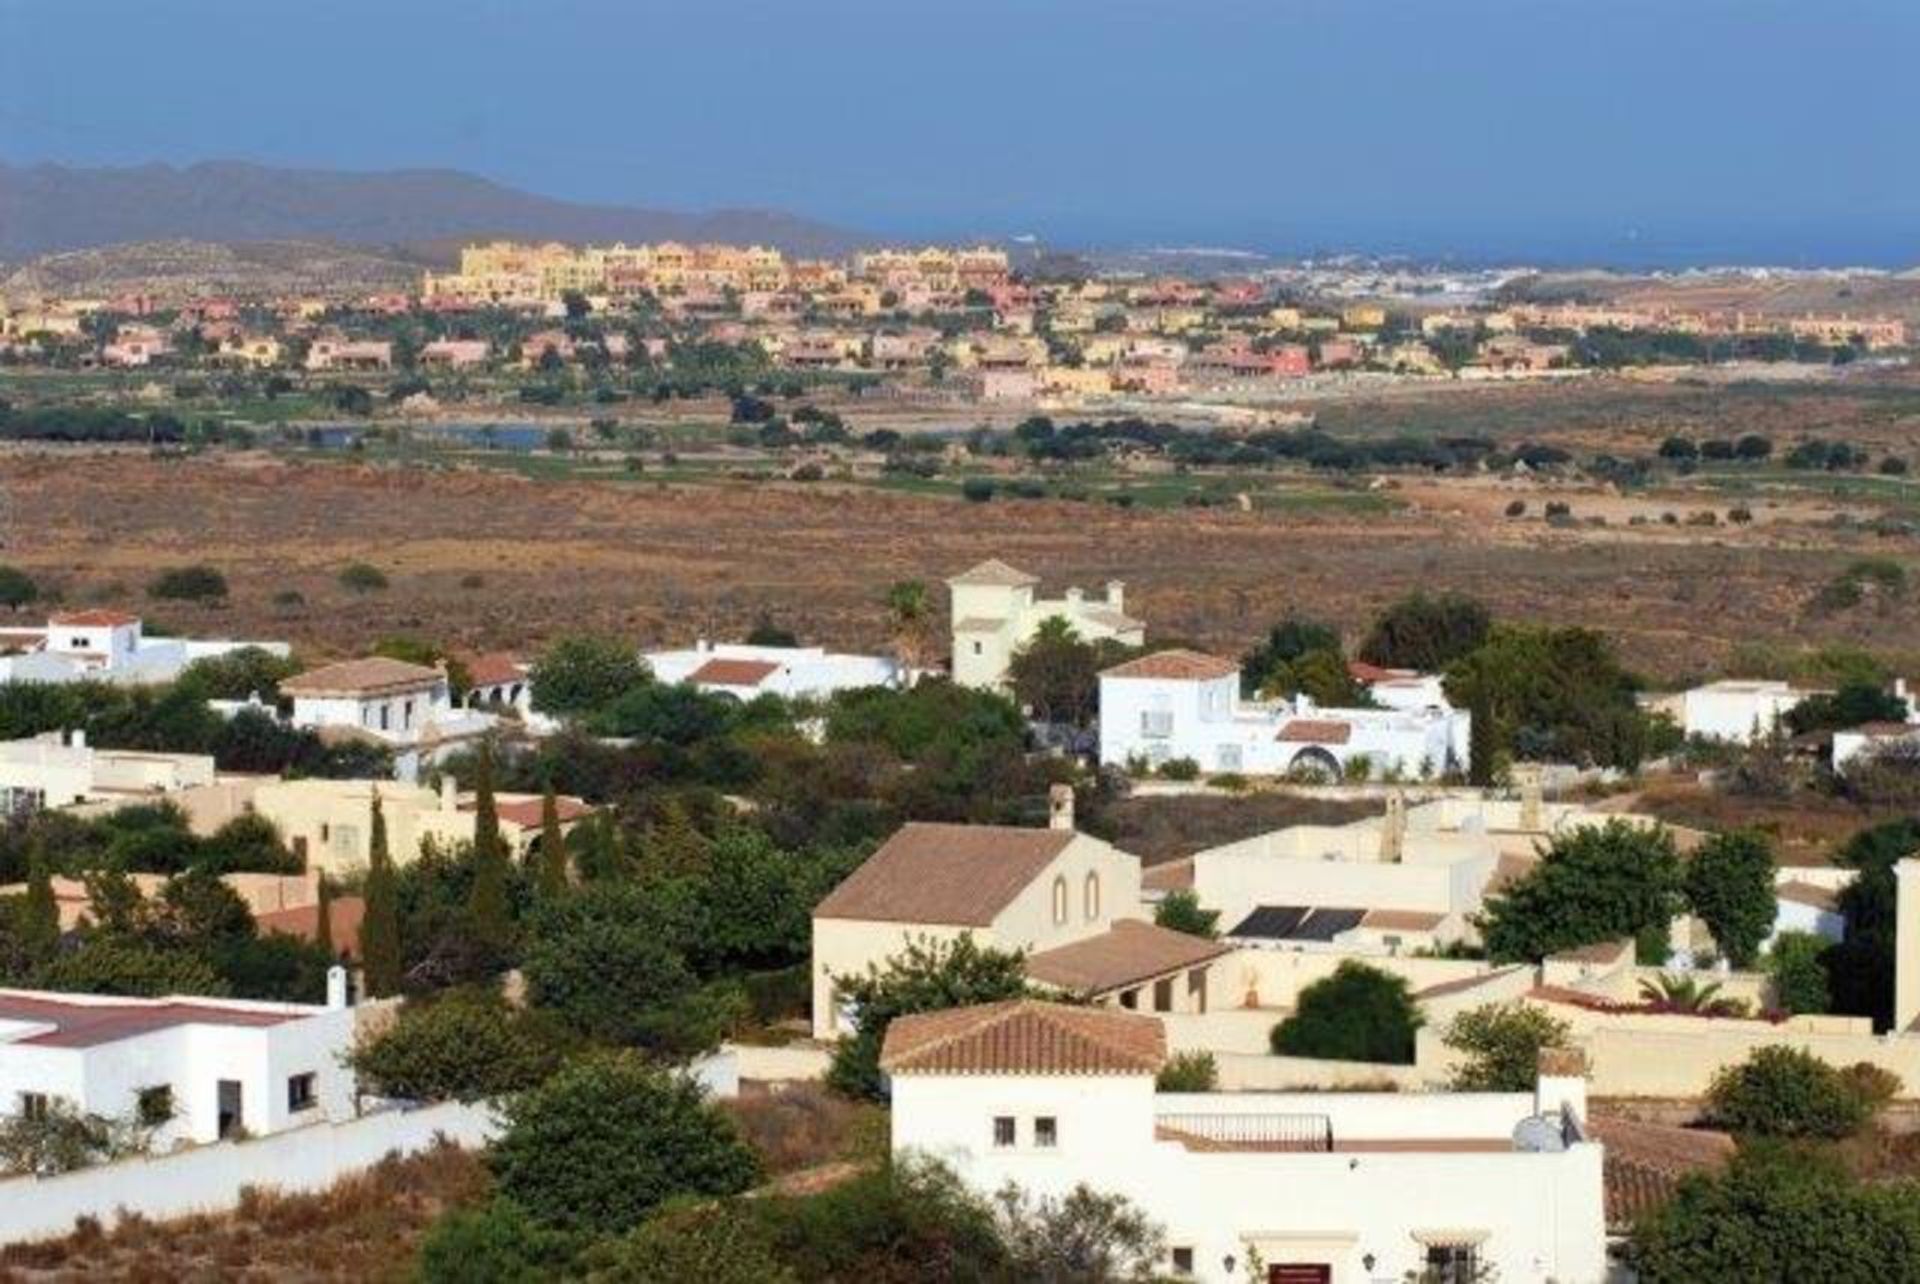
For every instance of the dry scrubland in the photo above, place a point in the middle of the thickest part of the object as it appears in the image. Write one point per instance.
(660, 562)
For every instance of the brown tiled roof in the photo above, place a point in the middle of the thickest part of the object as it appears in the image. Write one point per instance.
(1403, 920)
(994, 573)
(93, 619)
(1645, 1162)
(1178, 665)
(85, 1025)
(733, 673)
(343, 919)
(495, 669)
(525, 812)
(1598, 952)
(1807, 894)
(370, 676)
(1325, 731)
(1465, 983)
(1169, 876)
(1361, 671)
(1024, 1036)
(952, 875)
(1129, 952)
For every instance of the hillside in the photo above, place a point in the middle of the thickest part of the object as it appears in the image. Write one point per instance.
(51, 208)
(188, 269)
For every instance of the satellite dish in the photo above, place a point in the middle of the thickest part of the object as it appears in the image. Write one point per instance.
(1540, 1135)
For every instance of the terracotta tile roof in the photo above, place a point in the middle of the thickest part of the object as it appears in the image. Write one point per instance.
(1325, 731)
(733, 673)
(86, 1025)
(1361, 671)
(1644, 1163)
(1129, 952)
(1598, 952)
(1807, 894)
(1024, 1036)
(372, 675)
(93, 619)
(525, 812)
(1403, 920)
(495, 669)
(1463, 984)
(952, 875)
(1176, 665)
(343, 916)
(994, 573)
(1171, 876)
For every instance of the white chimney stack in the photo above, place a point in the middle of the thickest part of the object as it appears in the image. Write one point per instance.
(449, 792)
(1075, 596)
(1060, 807)
(1117, 595)
(78, 739)
(336, 987)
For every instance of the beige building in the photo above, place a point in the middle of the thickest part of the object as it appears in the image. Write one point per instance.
(995, 612)
(1035, 890)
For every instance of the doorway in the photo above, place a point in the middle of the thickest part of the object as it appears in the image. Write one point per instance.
(1299, 1273)
(230, 1103)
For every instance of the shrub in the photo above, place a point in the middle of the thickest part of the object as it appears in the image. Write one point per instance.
(461, 1047)
(1358, 1014)
(64, 1139)
(1729, 884)
(928, 977)
(1594, 884)
(1191, 1071)
(198, 583)
(1517, 508)
(1082, 1235)
(608, 1139)
(1502, 1043)
(580, 674)
(1180, 911)
(1180, 769)
(1798, 967)
(1784, 1092)
(17, 588)
(362, 577)
(977, 490)
(496, 1242)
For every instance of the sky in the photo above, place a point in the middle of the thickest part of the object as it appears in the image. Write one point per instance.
(1650, 131)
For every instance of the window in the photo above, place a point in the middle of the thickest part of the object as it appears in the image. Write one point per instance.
(33, 1105)
(1002, 1131)
(1059, 900)
(1182, 1261)
(406, 717)
(386, 717)
(346, 840)
(1452, 1263)
(976, 648)
(1090, 896)
(1227, 757)
(154, 1106)
(1046, 1132)
(300, 1092)
(1156, 724)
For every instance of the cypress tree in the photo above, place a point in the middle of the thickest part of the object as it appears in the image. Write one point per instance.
(487, 904)
(39, 913)
(1480, 741)
(553, 846)
(323, 915)
(380, 957)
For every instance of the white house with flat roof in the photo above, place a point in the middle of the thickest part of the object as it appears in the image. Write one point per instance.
(193, 1069)
(59, 769)
(1185, 705)
(106, 646)
(1738, 710)
(1298, 1188)
(743, 671)
(995, 613)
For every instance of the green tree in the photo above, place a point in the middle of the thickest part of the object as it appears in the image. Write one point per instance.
(323, 916)
(609, 961)
(199, 583)
(17, 588)
(461, 1046)
(487, 904)
(38, 923)
(927, 977)
(362, 577)
(1596, 883)
(110, 964)
(1180, 911)
(580, 674)
(1729, 884)
(1853, 704)
(608, 1139)
(1860, 968)
(553, 846)
(380, 946)
(716, 1243)
(1554, 693)
(1501, 1045)
(496, 1242)
(1290, 639)
(1056, 674)
(1084, 1235)
(1797, 964)
(1357, 1014)
(1483, 751)
(1427, 633)
(1785, 1092)
(1188, 1072)
(910, 611)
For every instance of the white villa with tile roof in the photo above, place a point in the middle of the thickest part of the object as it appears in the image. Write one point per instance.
(744, 671)
(1320, 1188)
(1185, 705)
(995, 612)
(406, 707)
(105, 646)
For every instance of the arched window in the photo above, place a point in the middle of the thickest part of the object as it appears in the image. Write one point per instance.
(1060, 900)
(1090, 897)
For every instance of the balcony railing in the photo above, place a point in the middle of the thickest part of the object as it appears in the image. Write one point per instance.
(1291, 1132)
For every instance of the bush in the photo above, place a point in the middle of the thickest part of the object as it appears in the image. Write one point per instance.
(1517, 508)
(460, 1047)
(1180, 769)
(928, 977)
(17, 588)
(1729, 885)
(198, 583)
(580, 674)
(1502, 1043)
(608, 1139)
(608, 963)
(1358, 1014)
(715, 1243)
(1787, 1093)
(1798, 967)
(362, 577)
(494, 1243)
(977, 490)
(1180, 911)
(1188, 1072)
(1594, 884)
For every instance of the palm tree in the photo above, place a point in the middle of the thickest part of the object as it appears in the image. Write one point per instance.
(1687, 996)
(911, 608)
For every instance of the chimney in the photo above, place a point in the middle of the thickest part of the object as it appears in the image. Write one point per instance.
(1393, 828)
(1117, 595)
(449, 792)
(701, 646)
(1528, 777)
(1060, 806)
(1561, 1088)
(1075, 596)
(336, 988)
(78, 738)
(1906, 946)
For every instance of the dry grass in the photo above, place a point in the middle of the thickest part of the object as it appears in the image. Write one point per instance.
(804, 1127)
(1807, 828)
(363, 1228)
(1168, 827)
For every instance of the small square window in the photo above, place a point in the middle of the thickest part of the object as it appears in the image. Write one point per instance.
(1182, 1259)
(1046, 1131)
(1003, 1131)
(300, 1092)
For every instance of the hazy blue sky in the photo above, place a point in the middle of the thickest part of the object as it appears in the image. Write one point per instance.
(1620, 129)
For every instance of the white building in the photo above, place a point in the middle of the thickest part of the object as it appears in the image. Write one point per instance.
(791, 672)
(1185, 705)
(195, 1069)
(995, 613)
(106, 646)
(1739, 710)
(405, 707)
(1334, 1188)
(55, 770)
